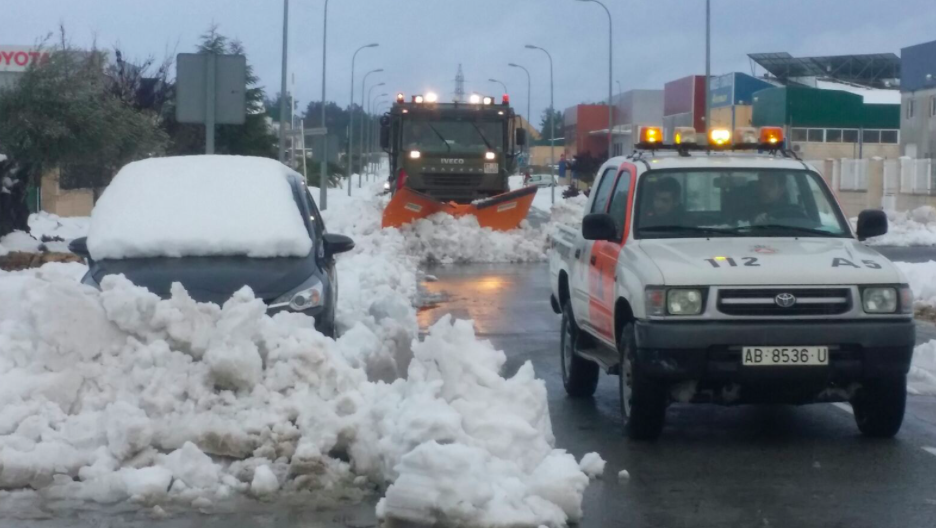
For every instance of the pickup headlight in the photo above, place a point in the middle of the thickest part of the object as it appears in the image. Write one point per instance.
(879, 300)
(310, 296)
(674, 301)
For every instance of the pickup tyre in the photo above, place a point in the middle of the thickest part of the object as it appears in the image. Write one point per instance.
(579, 376)
(643, 400)
(879, 407)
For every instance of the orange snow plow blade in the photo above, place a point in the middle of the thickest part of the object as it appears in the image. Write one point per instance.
(500, 213)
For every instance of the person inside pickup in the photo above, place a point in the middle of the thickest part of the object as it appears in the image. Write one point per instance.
(665, 204)
(774, 200)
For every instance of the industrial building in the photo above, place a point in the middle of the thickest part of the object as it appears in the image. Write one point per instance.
(731, 99)
(832, 107)
(683, 105)
(632, 109)
(580, 121)
(918, 100)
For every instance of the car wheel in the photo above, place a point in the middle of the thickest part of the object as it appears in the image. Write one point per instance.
(579, 375)
(643, 400)
(879, 406)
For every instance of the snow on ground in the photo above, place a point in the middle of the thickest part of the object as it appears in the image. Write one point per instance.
(921, 276)
(46, 232)
(117, 396)
(199, 206)
(18, 241)
(916, 227)
(922, 377)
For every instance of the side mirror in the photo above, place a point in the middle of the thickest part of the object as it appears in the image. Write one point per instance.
(871, 223)
(598, 226)
(335, 244)
(384, 134)
(79, 246)
(521, 136)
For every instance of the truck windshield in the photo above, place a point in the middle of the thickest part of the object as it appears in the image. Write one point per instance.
(453, 136)
(756, 203)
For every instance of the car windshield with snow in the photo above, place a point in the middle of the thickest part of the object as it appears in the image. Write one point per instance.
(215, 225)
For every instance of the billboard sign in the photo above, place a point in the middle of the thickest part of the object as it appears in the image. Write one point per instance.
(19, 58)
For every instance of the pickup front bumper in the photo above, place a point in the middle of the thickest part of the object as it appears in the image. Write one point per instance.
(709, 353)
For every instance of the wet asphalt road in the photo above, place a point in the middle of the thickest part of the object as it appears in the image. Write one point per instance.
(778, 466)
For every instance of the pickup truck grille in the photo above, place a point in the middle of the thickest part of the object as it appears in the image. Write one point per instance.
(765, 301)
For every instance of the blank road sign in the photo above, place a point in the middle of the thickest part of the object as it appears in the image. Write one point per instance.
(230, 93)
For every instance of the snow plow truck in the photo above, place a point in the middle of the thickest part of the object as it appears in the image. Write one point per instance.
(454, 158)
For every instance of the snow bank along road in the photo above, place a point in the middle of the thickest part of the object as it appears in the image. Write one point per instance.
(714, 466)
(168, 407)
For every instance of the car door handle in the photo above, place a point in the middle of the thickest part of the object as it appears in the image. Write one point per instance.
(594, 260)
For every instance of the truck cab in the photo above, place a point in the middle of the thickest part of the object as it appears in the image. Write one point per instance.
(726, 272)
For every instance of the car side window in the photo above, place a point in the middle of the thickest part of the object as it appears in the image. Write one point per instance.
(619, 200)
(317, 223)
(600, 204)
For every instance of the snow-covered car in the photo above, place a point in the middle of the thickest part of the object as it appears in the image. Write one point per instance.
(541, 180)
(215, 224)
(727, 277)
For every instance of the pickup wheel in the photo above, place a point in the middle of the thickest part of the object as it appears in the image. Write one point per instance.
(643, 400)
(879, 406)
(579, 376)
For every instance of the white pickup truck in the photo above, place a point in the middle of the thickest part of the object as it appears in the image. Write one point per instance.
(725, 277)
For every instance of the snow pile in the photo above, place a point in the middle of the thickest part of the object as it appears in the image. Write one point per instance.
(921, 276)
(922, 377)
(593, 465)
(199, 206)
(18, 241)
(916, 227)
(46, 226)
(569, 211)
(118, 395)
(445, 239)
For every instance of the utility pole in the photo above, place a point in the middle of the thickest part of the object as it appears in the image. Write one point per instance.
(282, 120)
(708, 65)
(323, 171)
(552, 125)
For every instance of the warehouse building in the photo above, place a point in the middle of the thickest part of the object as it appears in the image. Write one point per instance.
(683, 105)
(580, 121)
(731, 99)
(918, 100)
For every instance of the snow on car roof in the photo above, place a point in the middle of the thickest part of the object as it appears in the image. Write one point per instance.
(199, 206)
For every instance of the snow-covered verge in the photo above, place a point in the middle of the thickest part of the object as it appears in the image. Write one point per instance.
(47, 232)
(922, 377)
(921, 276)
(916, 227)
(118, 396)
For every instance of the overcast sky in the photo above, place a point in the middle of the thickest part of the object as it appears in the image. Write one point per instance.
(422, 42)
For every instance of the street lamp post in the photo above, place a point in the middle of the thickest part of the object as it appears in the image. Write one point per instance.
(500, 83)
(282, 120)
(323, 169)
(363, 118)
(364, 127)
(708, 63)
(367, 131)
(610, 74)
(375, 133)
(529, 98)
(552, 124)
(351, 111)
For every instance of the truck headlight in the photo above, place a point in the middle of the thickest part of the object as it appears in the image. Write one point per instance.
(311, 295)
(684, 302)
(879, 300)
(674, 301)
(415, 154)
(489, 155)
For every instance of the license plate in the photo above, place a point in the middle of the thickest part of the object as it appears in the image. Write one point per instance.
(784, 356)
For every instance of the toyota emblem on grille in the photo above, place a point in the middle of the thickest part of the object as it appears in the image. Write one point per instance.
(785, 300)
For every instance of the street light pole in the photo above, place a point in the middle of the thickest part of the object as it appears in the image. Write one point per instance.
(610, 74)
(500, 83)
(363, 118)
(282, 120)
(351, 112)
(552, 124)
(323, 170)
(708, 63)
(364, 145)
(529, 98)
(367, 130)
(375, 132)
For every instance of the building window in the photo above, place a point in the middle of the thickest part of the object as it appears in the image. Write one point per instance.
(910, 107)
(872, 136)
(890, 137)
(799, 134)
(816, 135)
(833, 135)
(849, 136)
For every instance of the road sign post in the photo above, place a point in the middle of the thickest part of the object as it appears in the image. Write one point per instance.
(211, 89)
